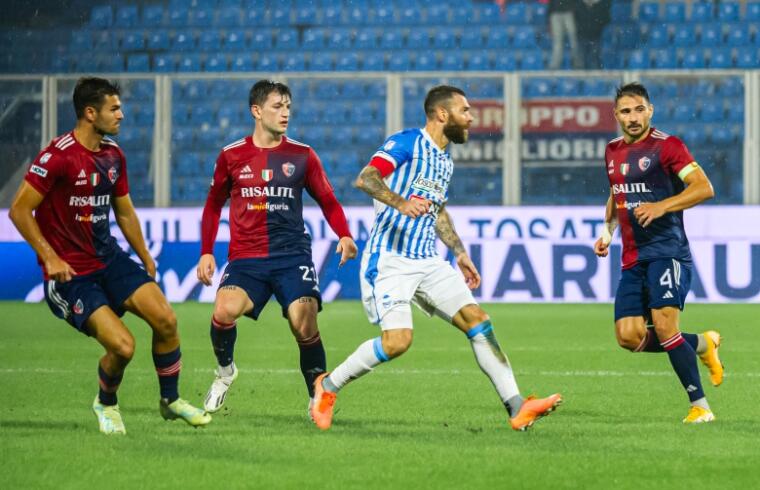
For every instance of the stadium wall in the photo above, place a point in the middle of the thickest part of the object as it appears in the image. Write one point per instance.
(525, 254)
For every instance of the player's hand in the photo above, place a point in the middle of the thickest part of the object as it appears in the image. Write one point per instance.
(150, 265)
(206, 268)
(601, 248)
(471, 274)
(347, 249)
(415, 207)
(647, 212)
(59, 270)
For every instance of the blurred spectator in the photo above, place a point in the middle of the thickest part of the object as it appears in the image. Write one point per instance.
(590, 18)
(562, 24)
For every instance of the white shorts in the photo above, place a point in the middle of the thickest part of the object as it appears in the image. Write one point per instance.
(390, 283)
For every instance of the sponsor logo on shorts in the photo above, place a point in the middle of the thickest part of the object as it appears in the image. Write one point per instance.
(38, 170)
(78, 307)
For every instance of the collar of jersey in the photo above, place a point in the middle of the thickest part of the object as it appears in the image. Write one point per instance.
(427, 136)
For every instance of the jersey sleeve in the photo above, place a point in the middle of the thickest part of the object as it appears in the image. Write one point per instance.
(45, 170)
(395, 151)
(121, 186)
(676, 158)
(218, 193)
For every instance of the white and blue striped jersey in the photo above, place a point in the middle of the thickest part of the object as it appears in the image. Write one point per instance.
(421, 169)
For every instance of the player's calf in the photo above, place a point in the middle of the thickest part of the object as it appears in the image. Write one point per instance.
(397, 341)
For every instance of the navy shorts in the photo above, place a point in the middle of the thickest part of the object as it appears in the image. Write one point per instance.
(74, 301)
(652, 285)
(288, 278)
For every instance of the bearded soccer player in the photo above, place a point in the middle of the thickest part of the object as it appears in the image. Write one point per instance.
(653, 178)
(62, 210)
(408, 177)
(263, 176)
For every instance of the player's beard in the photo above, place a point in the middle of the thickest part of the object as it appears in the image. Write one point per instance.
(105, 132)
(643, 128)
(455, 132)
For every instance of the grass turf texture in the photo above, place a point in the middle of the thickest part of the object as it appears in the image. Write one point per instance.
(427, 420)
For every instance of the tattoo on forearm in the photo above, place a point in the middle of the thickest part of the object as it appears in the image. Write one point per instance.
(371, 182)
(445, 230)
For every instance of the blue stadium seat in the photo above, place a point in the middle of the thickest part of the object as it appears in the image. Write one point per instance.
(649, 11)
(305, 14)
(339, 39)
(472, 39)
(178, 15)
(352, 90)
(391, 39)
(286, 39)
(752, 14)
(738, 35)
(107, 40)
(462, 14)
(621, 12)
(728, 11)
(567, 87)
(685, 36)
(497, 39)
(659, 36)
(637, 60)
(234, 40)
(126, 16)
(437, 14)
(348, 61)
(712, 111)
(538, 88)
(532, 60)
(736, 113)
(261, 39)
(355, 17)
(731, 87)
(183, 41)
(425, 61)
(748, 57)
(241, 62)
(701, 12)
(366, 39)
(138, 62)
(201, 113)
(452, 60)
(478, 61)
(255, 16)
(152, 16)
(683, 113)
(675, 12)
(268, 62)
(81, 41)
(158, 40)
(516, 13)
(189, 62)
(279, 16)
(409, 16)
(201, 17)
(399, 61)
(321, 61)
(229, 115)
(164, 63)
(373, 61)
(418, 39)
(145, 116)
(488, 13)
(101, 17)
(332, 15)
(693, 59)
(313, 39)
(524, 37)
(443, 39)
(383, 16)
(710, 35)
(133, 41)
(230, 17)
(721, 135)
(721, 58)
(194, 90)
(505, 61)
(362, 113)
(664, 58)
(216, 62)
(210, 40)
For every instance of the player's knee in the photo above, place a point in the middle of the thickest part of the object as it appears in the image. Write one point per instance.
(166, 324)
(629, 339)
(124, 349)
(398, 342)
(226, 312)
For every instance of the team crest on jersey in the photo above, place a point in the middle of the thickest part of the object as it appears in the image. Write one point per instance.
(78, 307)
(267, 174)
(94, 179)
(644, 163)
(288, 169)
(44, 158)
(624, 168)
(113, 174)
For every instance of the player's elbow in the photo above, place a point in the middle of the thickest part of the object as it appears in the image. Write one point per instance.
(709, 191)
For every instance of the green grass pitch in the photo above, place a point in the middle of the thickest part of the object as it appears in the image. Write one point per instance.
(427, 420)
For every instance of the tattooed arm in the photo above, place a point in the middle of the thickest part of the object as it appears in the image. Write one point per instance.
(371, 181)
(444, 228)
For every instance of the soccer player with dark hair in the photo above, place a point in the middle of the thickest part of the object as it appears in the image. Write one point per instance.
(62, 209)
(653, 178)
(408, 177)
(263, 176)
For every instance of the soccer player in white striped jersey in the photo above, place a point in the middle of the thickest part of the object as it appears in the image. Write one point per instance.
(409, 178)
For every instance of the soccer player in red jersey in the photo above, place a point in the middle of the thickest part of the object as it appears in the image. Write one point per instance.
(263, 176)
(62, 209)
(653, 178)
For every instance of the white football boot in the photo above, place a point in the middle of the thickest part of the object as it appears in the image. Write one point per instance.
(218, 391)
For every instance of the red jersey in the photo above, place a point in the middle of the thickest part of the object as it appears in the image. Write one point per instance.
(78, 185)
(265, 187)
(649, 171)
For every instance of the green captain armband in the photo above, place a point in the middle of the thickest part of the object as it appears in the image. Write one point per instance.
(687, 170)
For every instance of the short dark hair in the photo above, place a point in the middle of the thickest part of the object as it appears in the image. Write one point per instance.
(261, 90)
(633, 88)
(90, 92)
(438, 95)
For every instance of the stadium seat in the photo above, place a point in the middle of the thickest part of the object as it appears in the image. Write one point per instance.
(659, 36)
(279, 16)
(183, 41)
(738, 35)
(261, 39)
(664, 58)
(164, 63)
(683, 114)
(748, 57)
(241, 62)
(462, 14)
(408, 15)
(478, 61)
(728, 11)
(348, 61)
(721, 58)
(354, 17)
(425, 61)
(101, 17)
(216, 62)
(444, 39)
(399, 61)
(674, 12)
(736, 113)
(339, 39)
(373, 61)
(711, 112)
(710, 35)
(721, 135)
(230, 17)
(505, 61)
(472, 39)
(437, 14)
(524, 37)
(133, 41)
(701, 12)
(391, 39)
(210, 40)
(488, 14)
(178, 15)
(567, 87)
(752, 13)
(268, 62)
(382, 16)
(452, 61)
(158, 40)
(321, 62)
(366, 39)
(649, 11)
(532, 60)
(313, 39)
(138, 62)
(497, 39)
(126, 16)
(685, 36)
(731, 87)
(693, 59)
(189, 62)
(286, 39)
(418, 39)
(305, 14)
(332, 15)
(201, 17)
(637, 60)
(255, 16)
(516, 13)
(621, 12)
(152, 16)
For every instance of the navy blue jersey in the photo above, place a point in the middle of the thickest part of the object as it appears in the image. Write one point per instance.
(650, 170)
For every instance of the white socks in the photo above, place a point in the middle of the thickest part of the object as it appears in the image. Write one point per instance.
(364, 358)
(493, 361)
